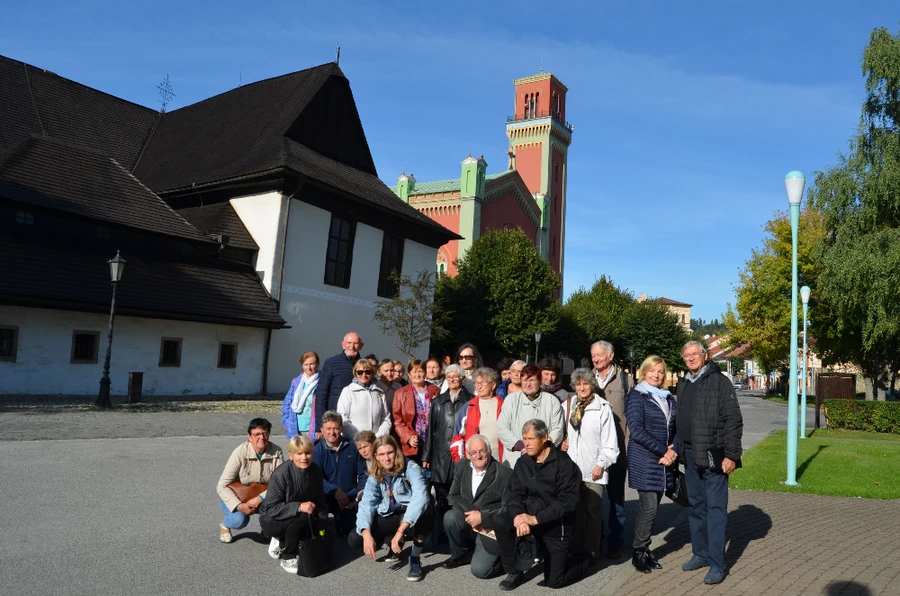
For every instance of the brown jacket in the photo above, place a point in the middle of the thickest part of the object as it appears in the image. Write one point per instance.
(243, 465)
(615, 394)
(404, 415)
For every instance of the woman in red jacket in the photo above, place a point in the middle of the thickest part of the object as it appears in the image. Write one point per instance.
(472, 421)
(412, 406)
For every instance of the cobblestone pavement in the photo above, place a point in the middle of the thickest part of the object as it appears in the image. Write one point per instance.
(783, 543)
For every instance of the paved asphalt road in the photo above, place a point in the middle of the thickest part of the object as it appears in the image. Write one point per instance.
(139, 515)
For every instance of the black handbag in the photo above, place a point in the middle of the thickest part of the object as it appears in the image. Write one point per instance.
(678, 493)
(315, 554)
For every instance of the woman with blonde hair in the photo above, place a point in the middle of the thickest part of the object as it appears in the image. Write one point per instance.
(395, 505)
(652, 452)
(296, 493)
(362, 405)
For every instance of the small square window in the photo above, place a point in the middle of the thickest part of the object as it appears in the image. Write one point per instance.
(227, 355)
(170, 351)
(85, 346)
(9, 343)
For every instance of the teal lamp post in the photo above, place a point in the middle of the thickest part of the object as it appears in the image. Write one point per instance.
(804, 297)
(793, 184)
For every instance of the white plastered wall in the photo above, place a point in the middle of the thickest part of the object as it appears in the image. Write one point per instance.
(43, 363)
(319, 314)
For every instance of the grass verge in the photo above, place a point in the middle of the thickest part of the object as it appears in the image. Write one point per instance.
(829, 462)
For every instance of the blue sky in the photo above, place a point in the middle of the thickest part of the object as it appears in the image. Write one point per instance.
(687, 115)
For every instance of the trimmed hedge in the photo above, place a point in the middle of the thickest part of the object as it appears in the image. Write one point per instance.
(871, 416)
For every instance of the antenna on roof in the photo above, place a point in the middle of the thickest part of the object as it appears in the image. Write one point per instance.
(165, 93)
(542, 66)
(337, 57)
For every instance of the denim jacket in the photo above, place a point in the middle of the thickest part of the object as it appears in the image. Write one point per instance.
(410, 491)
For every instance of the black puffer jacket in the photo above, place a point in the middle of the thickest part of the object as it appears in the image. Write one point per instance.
(716, 421)
(441, 423)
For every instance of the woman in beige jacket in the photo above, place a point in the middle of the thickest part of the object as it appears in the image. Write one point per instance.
(252, 461)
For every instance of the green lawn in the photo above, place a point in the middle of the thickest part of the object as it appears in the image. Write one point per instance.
(829, 462)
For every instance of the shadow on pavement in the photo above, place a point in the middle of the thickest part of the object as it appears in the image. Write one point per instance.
(745, 524)
(847, 588)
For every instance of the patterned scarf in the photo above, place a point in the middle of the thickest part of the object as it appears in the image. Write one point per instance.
(578, 413)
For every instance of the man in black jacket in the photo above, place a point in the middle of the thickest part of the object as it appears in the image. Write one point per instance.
(476, 498)
(541, 501)
(709, 422)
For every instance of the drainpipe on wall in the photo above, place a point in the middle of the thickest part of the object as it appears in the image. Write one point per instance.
(287, 215)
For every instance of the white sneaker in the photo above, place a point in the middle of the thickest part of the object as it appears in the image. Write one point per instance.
(290, 565)
(275, 548)
(224, 534)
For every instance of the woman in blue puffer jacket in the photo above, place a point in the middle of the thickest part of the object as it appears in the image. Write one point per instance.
(652, 455)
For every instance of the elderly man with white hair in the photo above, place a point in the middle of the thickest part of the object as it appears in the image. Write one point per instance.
(476, 500)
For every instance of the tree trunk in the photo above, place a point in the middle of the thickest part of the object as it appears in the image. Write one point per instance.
(871, 388)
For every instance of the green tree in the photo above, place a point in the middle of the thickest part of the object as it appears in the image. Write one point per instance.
(762, 313)
(860, 198)
(412, 317)
(600, 313)
(502, 292)
(650, 328)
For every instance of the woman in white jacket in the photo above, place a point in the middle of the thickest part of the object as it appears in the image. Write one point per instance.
(592, 444)
(362, 404)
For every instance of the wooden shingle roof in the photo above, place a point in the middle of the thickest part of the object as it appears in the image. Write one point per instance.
(51, 174)
(33, 100)
(54, 274)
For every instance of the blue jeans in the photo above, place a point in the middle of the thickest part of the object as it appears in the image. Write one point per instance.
(708, 498)
(234, 520)
(615, 494)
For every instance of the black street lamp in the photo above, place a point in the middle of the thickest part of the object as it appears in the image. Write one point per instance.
(116, 268)
(537, 343)
(631, 358)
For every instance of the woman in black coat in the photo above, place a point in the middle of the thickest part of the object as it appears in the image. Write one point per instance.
(296, 493)
(436, 455)
(652, 455)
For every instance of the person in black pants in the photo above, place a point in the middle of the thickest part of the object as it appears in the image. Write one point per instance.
(541, 501)
(296, 493)
(395, 506)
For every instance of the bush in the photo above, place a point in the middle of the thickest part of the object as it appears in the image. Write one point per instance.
(872, 416)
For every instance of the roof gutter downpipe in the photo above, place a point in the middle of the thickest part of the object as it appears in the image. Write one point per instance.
(284, 229)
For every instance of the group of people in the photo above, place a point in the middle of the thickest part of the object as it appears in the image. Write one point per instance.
(506, 463)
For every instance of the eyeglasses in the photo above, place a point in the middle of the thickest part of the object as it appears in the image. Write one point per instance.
(466, 357)
(452, 377)
(364, 372)
(479, 453)
(690, 355)
(482, 383)
(259, 434)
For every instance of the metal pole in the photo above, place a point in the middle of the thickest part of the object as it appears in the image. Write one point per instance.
(537, 344)
(793, 423)
(103, 399)
(803, 387)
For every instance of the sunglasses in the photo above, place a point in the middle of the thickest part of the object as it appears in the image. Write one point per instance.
(467, 357)
(364, 372)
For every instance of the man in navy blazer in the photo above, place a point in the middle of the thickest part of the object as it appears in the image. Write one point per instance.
(476, 501)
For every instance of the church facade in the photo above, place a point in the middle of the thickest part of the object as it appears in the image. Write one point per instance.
(529, 194)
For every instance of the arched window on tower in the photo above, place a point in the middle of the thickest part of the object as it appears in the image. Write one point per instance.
(537, 106)
(525, 113)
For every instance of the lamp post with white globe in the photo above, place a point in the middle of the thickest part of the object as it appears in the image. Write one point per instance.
(793, 184)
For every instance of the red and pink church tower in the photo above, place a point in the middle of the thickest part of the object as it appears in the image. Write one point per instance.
(530, 194)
